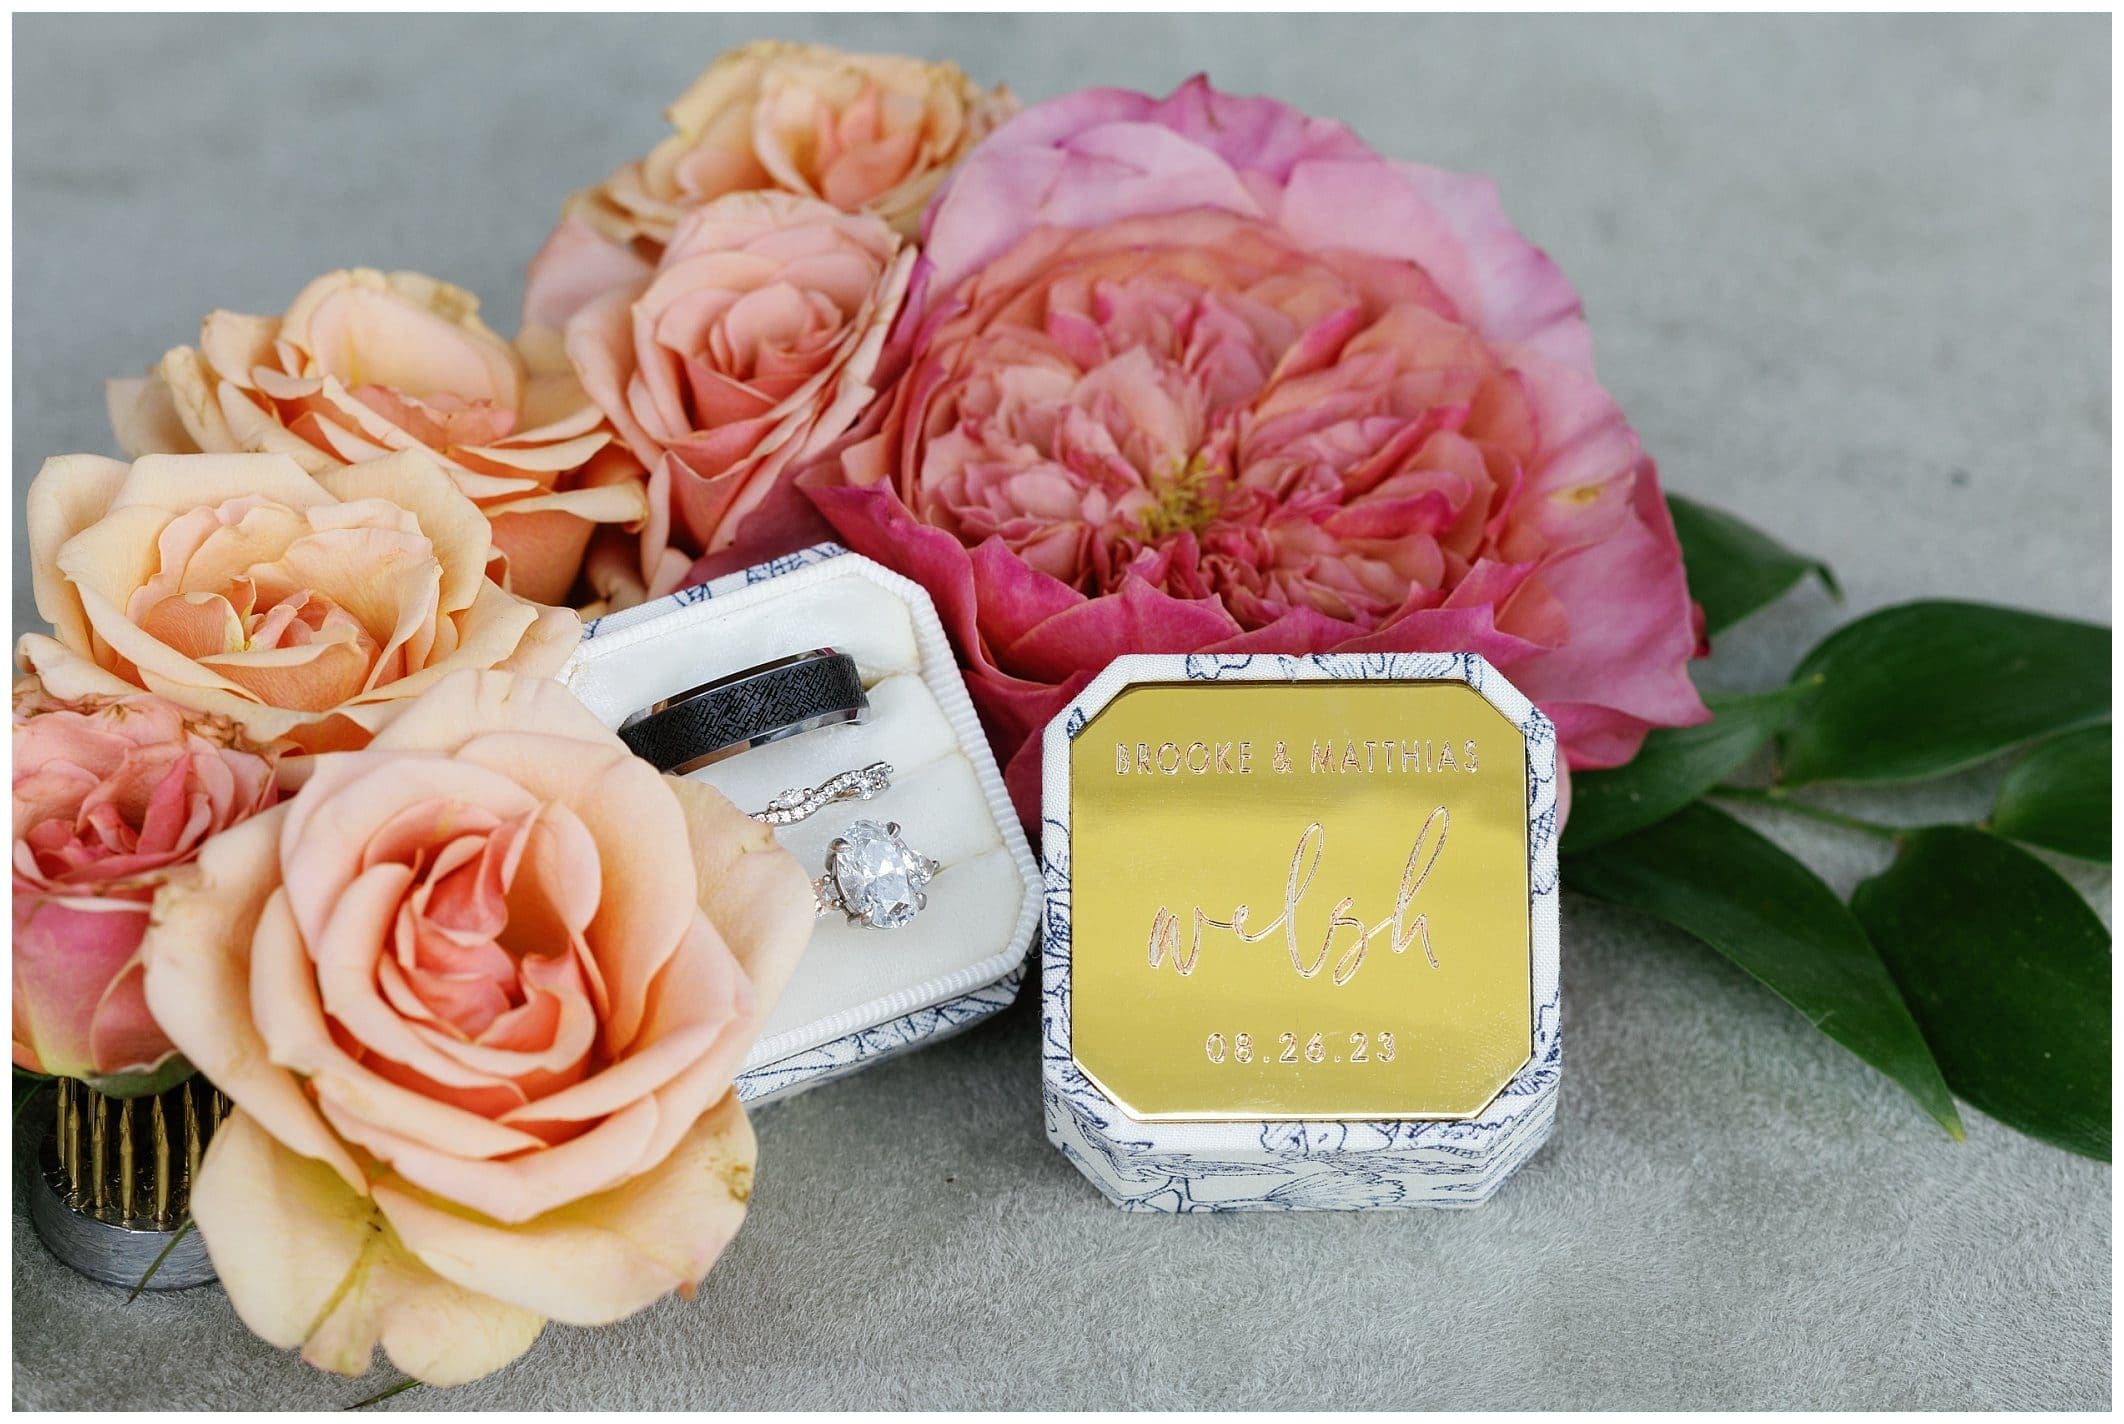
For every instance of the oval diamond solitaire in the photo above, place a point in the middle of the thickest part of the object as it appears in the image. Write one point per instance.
(874, 877)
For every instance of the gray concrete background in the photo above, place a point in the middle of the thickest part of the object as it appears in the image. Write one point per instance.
(1850, 278)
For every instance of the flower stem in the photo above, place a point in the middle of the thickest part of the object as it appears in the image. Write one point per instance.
(160, 1256)
(400, 1388)
(1781, 799)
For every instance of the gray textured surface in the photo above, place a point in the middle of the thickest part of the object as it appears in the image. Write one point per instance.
(1849, 278)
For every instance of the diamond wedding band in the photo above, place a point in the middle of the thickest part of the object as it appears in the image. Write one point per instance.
(793, 806)
(762, 704)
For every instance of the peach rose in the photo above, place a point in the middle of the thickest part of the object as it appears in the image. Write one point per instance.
(869, 133)
(303, 608)
(478, 995)
(365, 363)
(753, 347)
(111, 795)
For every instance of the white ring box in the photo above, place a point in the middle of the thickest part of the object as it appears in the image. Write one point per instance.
(859, 994)
(1198, 1158)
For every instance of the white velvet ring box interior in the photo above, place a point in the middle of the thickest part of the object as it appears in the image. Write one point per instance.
(859, 993)
(1300, 945)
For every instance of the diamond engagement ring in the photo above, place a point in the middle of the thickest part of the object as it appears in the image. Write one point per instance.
(687, 730)
(793, 806)
(873, 877)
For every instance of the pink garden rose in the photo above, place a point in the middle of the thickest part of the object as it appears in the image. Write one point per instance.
(753, 347)
(478, 993)
(111, 795)
(1203, 374)
(366, 363)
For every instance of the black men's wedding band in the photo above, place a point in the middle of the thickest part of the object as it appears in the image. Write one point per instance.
(690, 729)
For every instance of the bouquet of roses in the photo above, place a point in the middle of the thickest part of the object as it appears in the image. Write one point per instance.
(298, 804)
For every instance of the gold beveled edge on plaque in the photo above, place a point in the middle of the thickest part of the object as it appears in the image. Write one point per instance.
(1134, 1115)
(1526, 771)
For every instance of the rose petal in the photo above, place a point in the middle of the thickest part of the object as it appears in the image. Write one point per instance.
(145, 419)
(757, 897)
(603, 1258)
(198, 954)
(70, 493)
(68, 953)
(307, 1261)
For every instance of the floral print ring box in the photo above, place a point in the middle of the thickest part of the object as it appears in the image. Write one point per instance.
(1300, 946)
(860, 993)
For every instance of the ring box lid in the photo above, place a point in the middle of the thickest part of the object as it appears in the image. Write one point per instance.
(1247, 901)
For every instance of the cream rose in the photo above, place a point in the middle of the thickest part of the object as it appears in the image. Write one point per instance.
(304, 608)
(753, 347)
(478, 994)
(365, 363)
(869, 133)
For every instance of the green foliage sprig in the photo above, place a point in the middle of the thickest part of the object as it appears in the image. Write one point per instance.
(1969, 967)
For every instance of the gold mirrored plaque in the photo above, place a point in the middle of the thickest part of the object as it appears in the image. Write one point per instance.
(1299, 900)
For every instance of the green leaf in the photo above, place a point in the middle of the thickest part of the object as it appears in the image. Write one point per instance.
(27, 1086)
(1923, 689)
(161, 1078)
(2058, 797)
(2007, 970)
(1704, 872)
(1675, 766)
(1735, 568)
